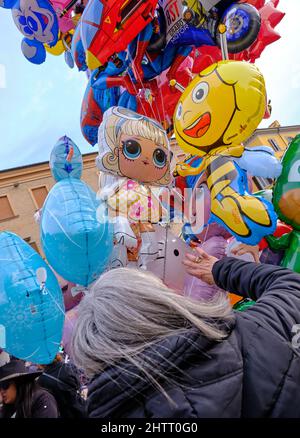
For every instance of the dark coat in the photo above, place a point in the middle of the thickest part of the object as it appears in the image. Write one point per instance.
(254, 372)
(62, 380)
(43, 405)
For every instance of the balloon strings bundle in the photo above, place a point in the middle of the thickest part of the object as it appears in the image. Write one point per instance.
(135, 87)
(194, 278)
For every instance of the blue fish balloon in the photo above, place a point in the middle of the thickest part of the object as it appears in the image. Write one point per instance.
(76, 235)
(66, 160)
(31, 303)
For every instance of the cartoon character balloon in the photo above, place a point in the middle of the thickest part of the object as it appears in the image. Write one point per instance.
(168, 264)
(31, 302)
(66, 160)
(286, 200)
(135, 150)
(75, 232)
(37, 21)
(215, 132)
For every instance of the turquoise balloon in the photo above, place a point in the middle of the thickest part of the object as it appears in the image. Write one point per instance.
(31, 303)
(76, 234)
(66, 160)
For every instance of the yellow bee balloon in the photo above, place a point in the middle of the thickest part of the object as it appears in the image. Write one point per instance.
(219, 110)
(222, 106)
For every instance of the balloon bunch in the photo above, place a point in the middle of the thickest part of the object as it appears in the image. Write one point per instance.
(132, 50)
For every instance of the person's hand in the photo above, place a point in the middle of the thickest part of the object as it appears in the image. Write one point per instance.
(247, 249)
(200, 265)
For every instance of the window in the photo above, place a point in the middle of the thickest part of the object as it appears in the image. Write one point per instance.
(262, 183)
(6, 211)
(274, 144)
(39, 195)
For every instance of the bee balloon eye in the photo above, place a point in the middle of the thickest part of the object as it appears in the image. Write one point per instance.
(200, 92)
(179, 111)
(159, 158)
(131, 149)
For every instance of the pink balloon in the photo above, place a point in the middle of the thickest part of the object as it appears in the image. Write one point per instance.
(70, 321)
(198, 289)
(65, 22)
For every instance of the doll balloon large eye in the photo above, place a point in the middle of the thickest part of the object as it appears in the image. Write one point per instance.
(131, 149)
(159, 158)
(179, 111)
(200, 92)
(294, 173)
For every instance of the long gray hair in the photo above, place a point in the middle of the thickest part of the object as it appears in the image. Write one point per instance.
(127, 311)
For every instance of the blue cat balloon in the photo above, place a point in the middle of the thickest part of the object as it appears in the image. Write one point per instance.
(31, 303)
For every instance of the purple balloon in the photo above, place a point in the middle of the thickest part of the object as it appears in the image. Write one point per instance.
(198, 289)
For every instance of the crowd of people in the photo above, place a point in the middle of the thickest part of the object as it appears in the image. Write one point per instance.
(146, 351)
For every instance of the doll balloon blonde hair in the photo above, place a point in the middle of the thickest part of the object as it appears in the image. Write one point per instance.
(133, 146)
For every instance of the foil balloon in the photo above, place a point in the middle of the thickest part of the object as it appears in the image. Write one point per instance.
(109, 27)
(134, 159)
(7, 4)
(286, 200)
(33, 51)
(77, 50)
(65, 160)
(37, 21)
(31, 303)
(70, 321)
(215, 133)
(63, 11)
(72, 293)
(76, 235)
(168, 265)
(196, 288)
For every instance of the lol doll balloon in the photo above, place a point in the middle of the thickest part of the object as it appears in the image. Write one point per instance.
(134, 157)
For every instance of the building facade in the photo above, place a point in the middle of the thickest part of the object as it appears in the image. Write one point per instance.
(23, 191)
(278, 138)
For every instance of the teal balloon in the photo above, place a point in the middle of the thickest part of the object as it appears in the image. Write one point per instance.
(66, 160)
(31, 303)
(76, 234)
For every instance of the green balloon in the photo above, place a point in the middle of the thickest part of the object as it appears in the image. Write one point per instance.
(286, 200)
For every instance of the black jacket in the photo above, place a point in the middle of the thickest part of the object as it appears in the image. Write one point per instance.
(43, 405)
(63, 382)
(255, 372)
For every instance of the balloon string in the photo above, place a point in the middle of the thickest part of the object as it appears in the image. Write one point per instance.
(139, 77)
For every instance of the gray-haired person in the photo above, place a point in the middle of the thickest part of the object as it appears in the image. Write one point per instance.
(152, 353)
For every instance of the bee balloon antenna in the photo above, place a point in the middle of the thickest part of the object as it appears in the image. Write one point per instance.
(223, 41)
(177, 85)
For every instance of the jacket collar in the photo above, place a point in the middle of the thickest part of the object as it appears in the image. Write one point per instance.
(171, 357)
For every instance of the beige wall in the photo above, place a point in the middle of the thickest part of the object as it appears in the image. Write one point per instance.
(17, 185)
(282, 135)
